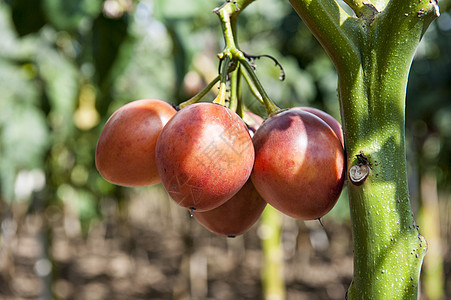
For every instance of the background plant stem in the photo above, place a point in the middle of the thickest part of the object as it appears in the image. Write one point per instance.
(272, 274)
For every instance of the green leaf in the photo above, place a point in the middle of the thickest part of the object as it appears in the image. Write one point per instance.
(27, 15)
(25, 137)
(108, 36)
(62, 85)
(69, 15)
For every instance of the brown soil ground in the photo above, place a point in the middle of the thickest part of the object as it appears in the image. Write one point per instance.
(152, 249)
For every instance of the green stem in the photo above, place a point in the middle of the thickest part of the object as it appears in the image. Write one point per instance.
(201, 94)
(272, 273)
(228, 14)
(220, 99)
(362, 8)
(235, 92)
(252, 87)
(225, 14)
(338, 33)
(270, 107)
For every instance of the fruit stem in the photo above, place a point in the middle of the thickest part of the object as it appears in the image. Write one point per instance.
(270, 107)
(252, 87)
(199, 95)
(221, 97)
(228, 13)
(235, 92)
(225, 13)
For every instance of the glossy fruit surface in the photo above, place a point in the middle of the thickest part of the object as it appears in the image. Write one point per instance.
(236, 215)
(239, 213)
(299, 164)
(331, 121)
(204, 156)
(125, 153)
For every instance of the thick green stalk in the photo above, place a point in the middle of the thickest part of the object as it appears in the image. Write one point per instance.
(388, 249)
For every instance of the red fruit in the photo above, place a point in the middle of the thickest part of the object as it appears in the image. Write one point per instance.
(204, 156)
(125, 153)
(240, 212)
(236, 215)
(299, 164)
(331, 121)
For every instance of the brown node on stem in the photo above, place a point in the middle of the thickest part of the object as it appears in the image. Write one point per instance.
(359, 172)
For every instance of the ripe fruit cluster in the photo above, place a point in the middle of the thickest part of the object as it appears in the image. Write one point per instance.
(210, 161)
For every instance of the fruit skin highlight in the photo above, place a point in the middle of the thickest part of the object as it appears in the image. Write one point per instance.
(299, 164)
(204, 156)
(331, 121)
(125, 152)
(240, 212)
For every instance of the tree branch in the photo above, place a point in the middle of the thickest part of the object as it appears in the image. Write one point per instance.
(337, 32)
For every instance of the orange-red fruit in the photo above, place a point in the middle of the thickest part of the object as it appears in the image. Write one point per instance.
(299, 164)
(125, 153)
(331, 121)
(204, 156)
(236, 215)
(240, 212)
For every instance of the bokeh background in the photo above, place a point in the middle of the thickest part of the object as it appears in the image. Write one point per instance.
(66, 233)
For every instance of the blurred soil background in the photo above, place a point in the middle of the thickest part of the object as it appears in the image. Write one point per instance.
(152, 249)
(66, 233)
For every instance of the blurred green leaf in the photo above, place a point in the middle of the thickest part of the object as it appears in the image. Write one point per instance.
(28, 16)
(183, 9)
(87, 205)
(80, 201)
(25, 137)
(108, 36)
(61, 87)
(67, 15)
(24, 140)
